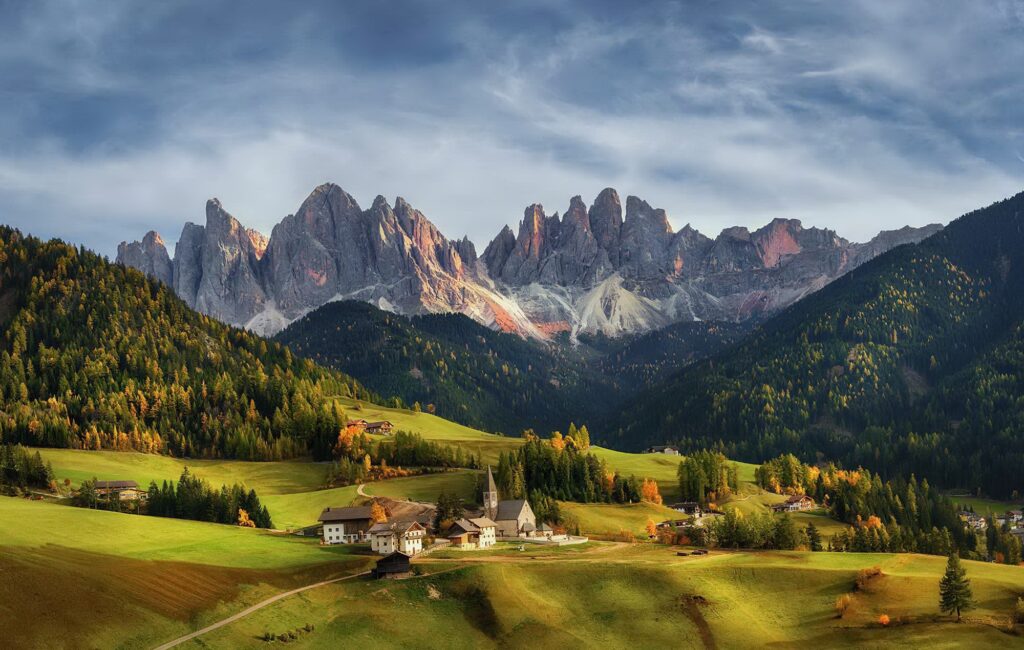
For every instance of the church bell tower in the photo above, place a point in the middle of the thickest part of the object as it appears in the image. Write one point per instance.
(490, 495)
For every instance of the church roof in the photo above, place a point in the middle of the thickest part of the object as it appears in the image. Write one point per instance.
(510, 509)
(491, 487)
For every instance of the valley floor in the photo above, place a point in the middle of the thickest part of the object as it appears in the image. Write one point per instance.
(78, 578)
(116, 580)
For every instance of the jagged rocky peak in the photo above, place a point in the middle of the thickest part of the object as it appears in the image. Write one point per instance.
(605, 218)
(149, 256)
(608, 268)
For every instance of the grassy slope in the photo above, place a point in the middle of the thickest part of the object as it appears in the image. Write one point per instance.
(646, 598)
(32, 524)
(266, 478)
(72, 577)
(987, 507)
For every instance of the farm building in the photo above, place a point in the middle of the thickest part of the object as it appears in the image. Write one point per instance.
(404, 536)
(478, 532)
(124, 490)
(383, 428)
(687, 508)
(663, 449)
(346, 525)
(795, 503)
(396, 565)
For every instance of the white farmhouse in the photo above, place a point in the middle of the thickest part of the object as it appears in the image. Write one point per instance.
(398, 536)
(346, 525)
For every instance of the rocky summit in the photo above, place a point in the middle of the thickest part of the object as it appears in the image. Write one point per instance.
(591, 270)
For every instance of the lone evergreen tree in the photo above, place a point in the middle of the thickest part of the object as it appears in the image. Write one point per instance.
(955, 589)
(813, 537)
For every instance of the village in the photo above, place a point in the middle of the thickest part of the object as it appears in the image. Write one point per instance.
(412, 531)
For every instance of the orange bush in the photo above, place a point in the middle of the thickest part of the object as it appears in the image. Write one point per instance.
(884, 619)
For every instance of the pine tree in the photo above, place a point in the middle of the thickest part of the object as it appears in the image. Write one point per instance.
(955, 589)
(813, 537)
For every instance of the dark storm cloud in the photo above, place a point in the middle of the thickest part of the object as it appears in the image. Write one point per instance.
(117, 117)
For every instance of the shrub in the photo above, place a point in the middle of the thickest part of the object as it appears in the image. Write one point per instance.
(842, 604)
(1018, 614)
(883, 619)
(864, 576)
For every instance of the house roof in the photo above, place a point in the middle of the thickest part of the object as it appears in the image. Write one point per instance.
(464, 525)
(663, 447)
(544, 527)
(510, 509)
(797, 498)
(345, 514)
(377, 425)
(397, 559)
(482, 522)
(116, 484)
(528, 527)
(394, 527)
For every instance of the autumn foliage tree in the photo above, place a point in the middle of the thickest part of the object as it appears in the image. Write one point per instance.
(377, 512)
(649, 491)
(243, 519)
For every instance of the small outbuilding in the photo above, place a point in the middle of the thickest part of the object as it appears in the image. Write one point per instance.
(396, 565)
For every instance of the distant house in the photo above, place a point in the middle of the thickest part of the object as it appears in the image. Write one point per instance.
(403, 536)
(973, 520)
(1016, 516)
(672, 524)
(795, 503)
(687, 507)
(346, 525)
(663, 449)
(543, 530)
(383, 427)
(358, 424)
(395, 565)
(123, 490)
(477, 532)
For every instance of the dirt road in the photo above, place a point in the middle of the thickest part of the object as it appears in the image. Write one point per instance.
(250, 610)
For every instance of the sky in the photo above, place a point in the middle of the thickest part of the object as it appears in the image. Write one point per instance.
(121, 117)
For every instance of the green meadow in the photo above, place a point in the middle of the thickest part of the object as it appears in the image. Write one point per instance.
(118, 580)
(645, 597)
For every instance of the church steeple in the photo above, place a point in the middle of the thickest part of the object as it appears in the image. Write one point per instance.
(490, 495)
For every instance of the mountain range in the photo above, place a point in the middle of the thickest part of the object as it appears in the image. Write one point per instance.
(593, 270)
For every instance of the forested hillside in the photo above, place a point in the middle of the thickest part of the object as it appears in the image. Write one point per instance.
(95, 355)
(450, 364)
(912, 363)
(486, 379)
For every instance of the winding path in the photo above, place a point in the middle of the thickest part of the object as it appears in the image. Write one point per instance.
(360, 492)
(250, 610)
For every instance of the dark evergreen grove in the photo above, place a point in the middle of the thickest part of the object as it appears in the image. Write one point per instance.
(911, 363)
(94, 355)
(23, 468)
(540, 469)
(194, 498)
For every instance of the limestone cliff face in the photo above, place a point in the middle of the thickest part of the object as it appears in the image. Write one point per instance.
(149, 256)
(588, 270)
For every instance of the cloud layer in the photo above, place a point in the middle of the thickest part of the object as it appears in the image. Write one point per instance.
(120, 117)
